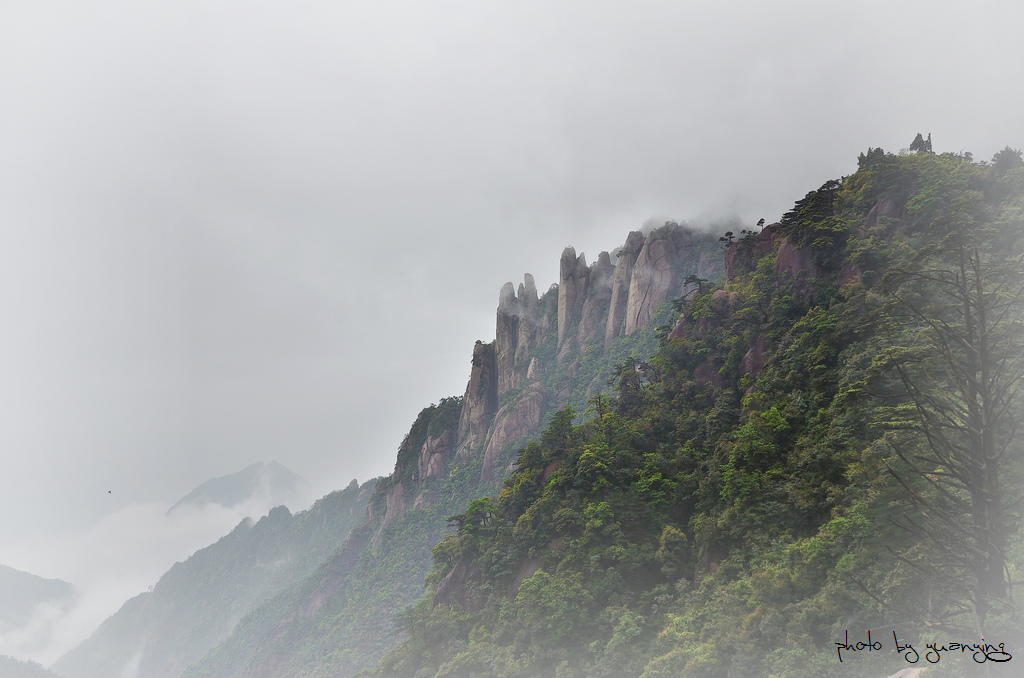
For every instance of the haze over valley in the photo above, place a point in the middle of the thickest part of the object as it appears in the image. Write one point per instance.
(250, 252)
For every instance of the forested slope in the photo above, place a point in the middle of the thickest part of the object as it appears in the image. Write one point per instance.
(824, 444)
(550, 349)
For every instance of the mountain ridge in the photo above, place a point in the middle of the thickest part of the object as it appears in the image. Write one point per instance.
(464, 447)
(270, 481)
(197, 602)
(21, 591)
(800, 458)
(15, 668)
(734, 494)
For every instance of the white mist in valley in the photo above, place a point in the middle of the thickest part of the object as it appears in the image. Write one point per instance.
(120, 556)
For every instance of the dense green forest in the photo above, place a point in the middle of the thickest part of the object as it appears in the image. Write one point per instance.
(341, 619)
(824, 444)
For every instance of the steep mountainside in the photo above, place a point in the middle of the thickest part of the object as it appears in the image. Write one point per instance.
(812, 433)
(824, 444)
(12, 668)
(20, 592)
(550, 350)
(197, 602)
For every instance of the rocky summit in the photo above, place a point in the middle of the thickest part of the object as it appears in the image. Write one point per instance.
(704, 454)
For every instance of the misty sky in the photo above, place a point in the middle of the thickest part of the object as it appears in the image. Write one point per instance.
(242, 231)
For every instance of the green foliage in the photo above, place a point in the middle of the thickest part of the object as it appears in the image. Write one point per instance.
(431, 422)
(920, 144)
(816, 222)
(733, 509)
(1006, 160)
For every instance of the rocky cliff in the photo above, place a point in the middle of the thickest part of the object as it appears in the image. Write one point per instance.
(549, 350)
(516, 380)
(762, 480)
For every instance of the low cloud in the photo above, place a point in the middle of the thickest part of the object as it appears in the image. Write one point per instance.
(119, 557)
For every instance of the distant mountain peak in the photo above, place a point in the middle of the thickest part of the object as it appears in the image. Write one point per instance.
(268, 483)
(21, 591)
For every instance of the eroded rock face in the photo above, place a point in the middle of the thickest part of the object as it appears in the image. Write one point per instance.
(595, 306)
(527, 331)
(883, 209)
(457, 588)
(753, 360)
(668, 255)
(395, 505)
(620, 285)
(590, 305)
(679, 331)
(434, 456)
(795, 260)
(573, 276)
(506, 336)
(744, 255)
(653, 279)
(521, 320)
(481, 399)
(515, 420)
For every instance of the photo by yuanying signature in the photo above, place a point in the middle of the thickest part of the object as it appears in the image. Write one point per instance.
(931, 653)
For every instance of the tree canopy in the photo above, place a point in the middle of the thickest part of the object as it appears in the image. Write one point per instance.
(827, 444)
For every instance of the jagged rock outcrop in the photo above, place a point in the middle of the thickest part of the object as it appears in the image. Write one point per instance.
(514, 421)
(434, 456)
(668, 255)
(621, 278)
(481, 399)
(743, 255)
(653, 278)
(522, 319)
(531, 317)
(591, 306)
(795, 260)
(532, 320)
(595, 306)
(533, 366)
(586, 313)
(573, 279)
(506, 336)
(394, 507)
